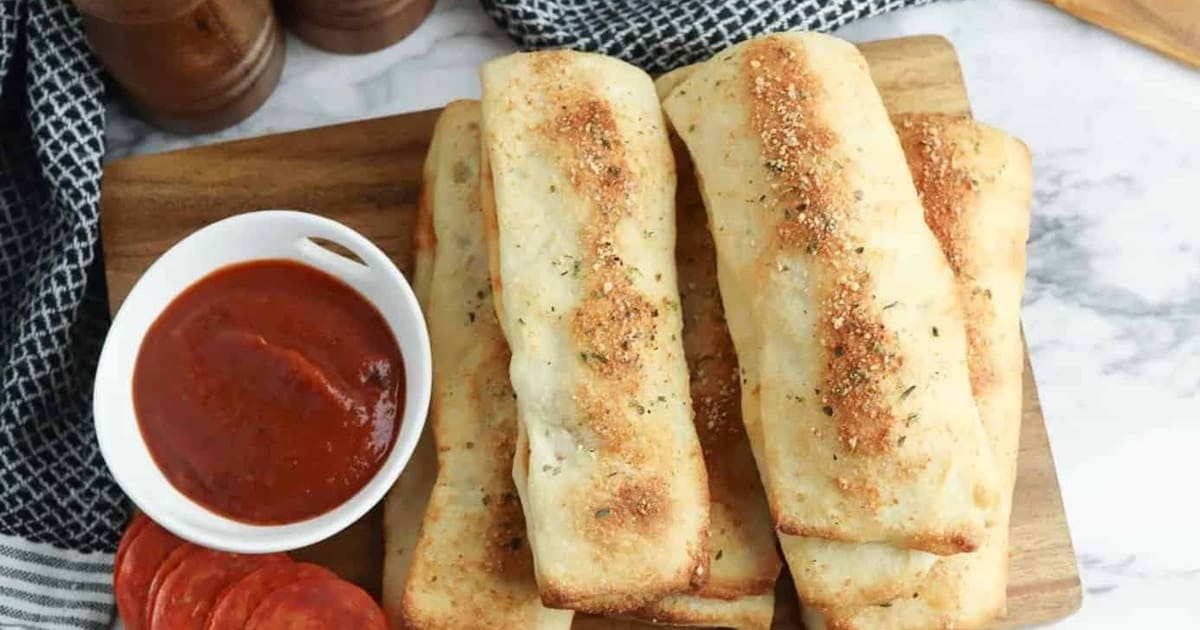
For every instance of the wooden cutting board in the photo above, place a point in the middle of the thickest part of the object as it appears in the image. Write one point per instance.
(367, 175)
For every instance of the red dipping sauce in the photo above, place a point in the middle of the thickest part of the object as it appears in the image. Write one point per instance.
(269, 392)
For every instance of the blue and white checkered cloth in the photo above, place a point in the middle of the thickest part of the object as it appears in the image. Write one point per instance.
(661, 35)
(60, 511)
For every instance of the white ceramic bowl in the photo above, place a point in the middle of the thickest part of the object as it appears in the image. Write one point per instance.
(269, 234)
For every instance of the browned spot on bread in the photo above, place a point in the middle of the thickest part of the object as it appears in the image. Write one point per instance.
(712, 362)
(632, 505)
(507, 551)
(614, 322)
(858, 352)
(613, 325)
(644, 501)
(828, 533)
(716, 395)
(979, 361)
(425, 238)
(945, 543)
(621, 516)
(606, 417)
(944, 187)
(858, 348)
(521, 459)
(598, 166)
(862, 491)
(564, 597)
(939, 151)
(551, 61)
(556, 596)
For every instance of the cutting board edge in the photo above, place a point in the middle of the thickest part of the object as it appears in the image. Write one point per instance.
(1070, 594)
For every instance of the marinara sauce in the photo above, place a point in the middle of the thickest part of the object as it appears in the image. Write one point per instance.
(269, 392)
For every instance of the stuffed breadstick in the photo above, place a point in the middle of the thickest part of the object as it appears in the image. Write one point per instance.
(471, 565)
(826, 573)
(740, 591)
(976, 184)
(404, 506)
(869, 431)
(578, 194)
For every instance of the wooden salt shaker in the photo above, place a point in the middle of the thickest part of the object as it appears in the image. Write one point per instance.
(190, 66)
(354, 26)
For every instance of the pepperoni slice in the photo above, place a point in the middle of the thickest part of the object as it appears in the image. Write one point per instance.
(142, 551)
(318, 604)
(134, 528)
(236, 602)
(168, 565)
(189, 591)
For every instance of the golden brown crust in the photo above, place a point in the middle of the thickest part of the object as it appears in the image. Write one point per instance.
(401, 517)
(625, 505)
(739, 591)
(615, 321)
(581, 178)
(612, 325)
(816, 219)
(975, 183)
(860, 351)
(471, 564)
(940, 149)
(745, 561)
(424, 240)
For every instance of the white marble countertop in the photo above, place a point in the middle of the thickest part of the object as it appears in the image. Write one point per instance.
(1112, 304)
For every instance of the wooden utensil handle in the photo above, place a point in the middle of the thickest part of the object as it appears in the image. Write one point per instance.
(1171, 27)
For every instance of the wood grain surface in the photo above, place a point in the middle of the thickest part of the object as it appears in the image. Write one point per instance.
(1172, 27)
(367, 174)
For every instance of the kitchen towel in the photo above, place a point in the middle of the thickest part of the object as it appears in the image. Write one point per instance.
(661, 35)
(60, 511)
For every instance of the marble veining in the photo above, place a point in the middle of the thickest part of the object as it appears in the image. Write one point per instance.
(1112, 302)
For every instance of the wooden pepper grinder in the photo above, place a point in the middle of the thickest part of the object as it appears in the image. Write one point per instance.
(190, 66)
(354, 26)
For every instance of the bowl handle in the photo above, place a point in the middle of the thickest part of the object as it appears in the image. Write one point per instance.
(317, 239)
